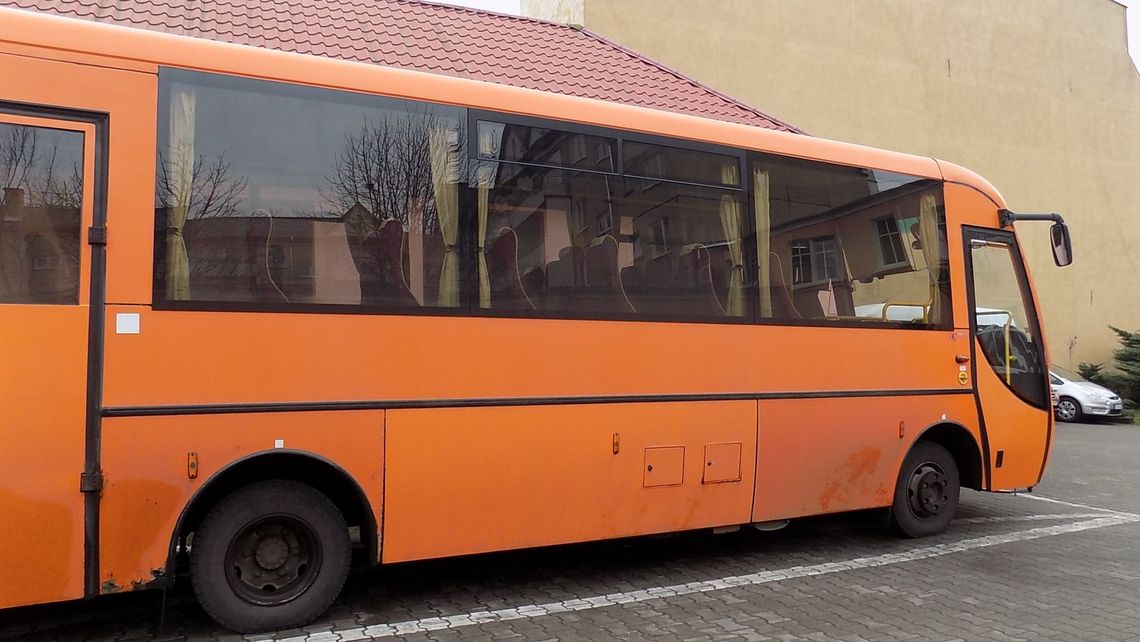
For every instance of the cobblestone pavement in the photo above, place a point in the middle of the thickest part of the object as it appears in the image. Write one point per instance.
(1061, 564)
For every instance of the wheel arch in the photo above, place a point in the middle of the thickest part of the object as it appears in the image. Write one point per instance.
(961, 445)
(294, 465)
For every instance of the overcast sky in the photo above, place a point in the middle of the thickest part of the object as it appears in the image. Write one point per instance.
(512, 6)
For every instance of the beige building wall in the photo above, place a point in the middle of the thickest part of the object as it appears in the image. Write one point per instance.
(1039, 96)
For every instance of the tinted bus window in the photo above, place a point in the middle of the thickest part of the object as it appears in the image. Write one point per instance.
(544, 146)
(660, 162)
(848, 245)
(589, 245)
(41, 173)
(277, 194)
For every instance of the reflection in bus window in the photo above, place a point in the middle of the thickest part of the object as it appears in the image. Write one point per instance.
(1003, 326)
(41, 174)
(279, 194)
(586, 243)
(849, 244)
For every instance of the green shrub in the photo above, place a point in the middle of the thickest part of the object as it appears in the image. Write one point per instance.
(1127, 361)
(1092, 372)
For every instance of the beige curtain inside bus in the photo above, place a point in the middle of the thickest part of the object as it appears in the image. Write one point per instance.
(931, 252)
(180, 174)
(760, 191)
(730, 220)
(484, 179)
(446, 189)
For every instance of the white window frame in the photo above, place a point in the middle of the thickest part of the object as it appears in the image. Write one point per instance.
(816, 253)
(898, 232)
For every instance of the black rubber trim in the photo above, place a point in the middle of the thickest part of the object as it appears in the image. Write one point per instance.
(987, 472)
(397, 404)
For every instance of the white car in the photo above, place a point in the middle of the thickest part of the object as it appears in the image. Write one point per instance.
(1077, 397)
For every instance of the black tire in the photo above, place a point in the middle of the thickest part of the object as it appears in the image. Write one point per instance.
(1069, 409)
(270, 556)
(926, 493)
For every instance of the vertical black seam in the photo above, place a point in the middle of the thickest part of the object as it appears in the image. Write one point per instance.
(92, 468)
(987, 474)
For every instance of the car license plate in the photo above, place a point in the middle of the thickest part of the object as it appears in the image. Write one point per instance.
(1118, 405)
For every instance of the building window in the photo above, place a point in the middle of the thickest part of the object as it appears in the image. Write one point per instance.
(43, 262)
(814, 261)
(605, 222)
(578, 145)
(659, 237)
(891, 250)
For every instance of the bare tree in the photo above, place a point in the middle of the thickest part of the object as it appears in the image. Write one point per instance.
(384, 172)
(385, 167)
(17, 155)
(212, 207)
(214, 191)
(39, 236)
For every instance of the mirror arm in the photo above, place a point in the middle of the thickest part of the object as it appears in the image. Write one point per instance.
(1007, 217)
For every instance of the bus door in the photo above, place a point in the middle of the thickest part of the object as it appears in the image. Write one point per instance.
(47, 173)
(1009, 366)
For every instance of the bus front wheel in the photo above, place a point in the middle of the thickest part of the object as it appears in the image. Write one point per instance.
(270, 556)
(926, 494)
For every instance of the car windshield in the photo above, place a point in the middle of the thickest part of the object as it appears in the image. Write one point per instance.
(1065, 374)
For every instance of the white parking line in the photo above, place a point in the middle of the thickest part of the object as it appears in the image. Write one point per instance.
(1099, 520)
(1026, 518)
(1063, 502)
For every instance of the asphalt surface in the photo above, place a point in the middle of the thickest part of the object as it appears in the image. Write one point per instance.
(1061, 564)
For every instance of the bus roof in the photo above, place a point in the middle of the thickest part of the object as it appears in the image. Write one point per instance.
(63, 38)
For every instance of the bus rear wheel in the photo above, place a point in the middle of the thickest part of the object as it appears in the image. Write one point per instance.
(926, 493)
(270, 556)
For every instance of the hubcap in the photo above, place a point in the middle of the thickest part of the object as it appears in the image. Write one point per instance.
(927, 490)
(1066, 409)
(273, 560)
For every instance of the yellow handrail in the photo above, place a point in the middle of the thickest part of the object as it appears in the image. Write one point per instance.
(1008, 359)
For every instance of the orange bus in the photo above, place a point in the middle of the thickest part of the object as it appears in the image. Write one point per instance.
(266, 316)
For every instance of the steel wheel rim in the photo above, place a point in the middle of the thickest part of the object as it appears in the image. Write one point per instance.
(1066, 409)
(273, 560)
(928, 491)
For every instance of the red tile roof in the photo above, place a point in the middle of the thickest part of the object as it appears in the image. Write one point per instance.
(435, 38)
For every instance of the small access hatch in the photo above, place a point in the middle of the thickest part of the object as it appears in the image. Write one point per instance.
(722, 463)
(664, 466)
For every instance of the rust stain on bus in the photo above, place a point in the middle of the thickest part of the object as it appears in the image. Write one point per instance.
(856, 471)
(157, 580)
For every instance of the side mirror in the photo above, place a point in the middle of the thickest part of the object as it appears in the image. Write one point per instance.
(1062, 244)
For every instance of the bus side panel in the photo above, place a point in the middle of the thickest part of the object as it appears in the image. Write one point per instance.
(148, 481)
(829, 455)
(41, 508)
(469, 480)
